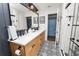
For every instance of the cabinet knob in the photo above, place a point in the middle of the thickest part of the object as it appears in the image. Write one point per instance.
(41, 39)
(33, 45)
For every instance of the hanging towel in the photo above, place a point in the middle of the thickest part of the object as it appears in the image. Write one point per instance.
(18, 52)
(12, 32)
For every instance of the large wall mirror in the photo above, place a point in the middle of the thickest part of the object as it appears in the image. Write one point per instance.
(22, 18)
(19, 15)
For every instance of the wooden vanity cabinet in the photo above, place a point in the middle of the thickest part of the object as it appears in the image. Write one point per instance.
(30, 49)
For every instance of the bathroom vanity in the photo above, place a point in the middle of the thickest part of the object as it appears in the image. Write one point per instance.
(28, 44)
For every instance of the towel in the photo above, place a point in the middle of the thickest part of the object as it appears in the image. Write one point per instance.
(18, 52)
(12, 32)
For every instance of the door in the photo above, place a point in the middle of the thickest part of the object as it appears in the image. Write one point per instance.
(51, 26)
(29, 22)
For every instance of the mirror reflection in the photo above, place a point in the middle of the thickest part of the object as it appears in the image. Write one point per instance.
(22, 18)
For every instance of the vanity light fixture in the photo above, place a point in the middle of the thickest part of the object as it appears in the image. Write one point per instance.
(30, 6)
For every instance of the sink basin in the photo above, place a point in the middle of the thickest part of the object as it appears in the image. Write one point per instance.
(23, 40)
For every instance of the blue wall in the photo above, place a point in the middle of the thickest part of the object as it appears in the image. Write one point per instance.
(4, 23)
(51, 26)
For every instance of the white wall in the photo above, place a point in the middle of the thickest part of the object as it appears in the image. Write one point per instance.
(58, 25)
(65, 29)
(77, 19)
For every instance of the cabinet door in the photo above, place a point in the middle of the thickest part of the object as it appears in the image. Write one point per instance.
(29, 49)
(33, 47)
(38, 41)
(42, 36)
(36, 48)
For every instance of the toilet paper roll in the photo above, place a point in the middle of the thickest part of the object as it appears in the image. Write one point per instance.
(18, 52)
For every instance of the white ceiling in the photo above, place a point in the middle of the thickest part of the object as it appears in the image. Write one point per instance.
(44, 6)
(40, 6)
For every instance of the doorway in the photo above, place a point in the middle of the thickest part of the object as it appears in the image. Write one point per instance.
(29, 22)
(52, 26)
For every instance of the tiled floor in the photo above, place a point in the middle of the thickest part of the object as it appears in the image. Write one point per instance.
(49, 49)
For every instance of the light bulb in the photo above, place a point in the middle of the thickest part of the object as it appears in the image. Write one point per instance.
(32, 7)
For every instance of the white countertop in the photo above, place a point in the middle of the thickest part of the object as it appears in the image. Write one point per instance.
(25, 39)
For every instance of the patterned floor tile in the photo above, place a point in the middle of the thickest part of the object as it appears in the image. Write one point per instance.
(49, 48)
